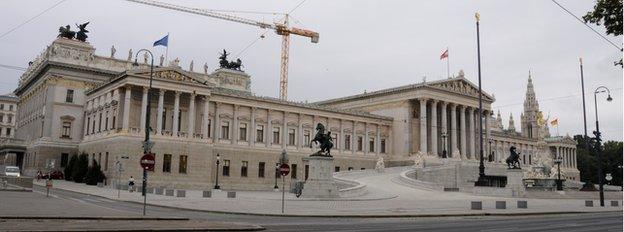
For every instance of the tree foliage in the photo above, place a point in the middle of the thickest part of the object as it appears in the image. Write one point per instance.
(68, 171)
(94, 174)
(609, 14)
(588, 161)
(79, 170)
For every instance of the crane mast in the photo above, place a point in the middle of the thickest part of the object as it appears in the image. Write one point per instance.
(282, 29)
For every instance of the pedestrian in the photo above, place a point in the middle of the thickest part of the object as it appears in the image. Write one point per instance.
(131, 184)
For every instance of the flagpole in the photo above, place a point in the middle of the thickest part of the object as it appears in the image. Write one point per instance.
(448, 73)
(167, 50)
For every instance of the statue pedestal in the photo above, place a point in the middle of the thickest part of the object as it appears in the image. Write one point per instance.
(320, 183)
(514, 182)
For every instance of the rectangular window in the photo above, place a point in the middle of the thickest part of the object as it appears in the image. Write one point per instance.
(244, 168)
(66, 130)
(9, 118)
(209, 126)
(371, 145)
(261, 169)
(1, 106)
(100, 123)
(106, 162)
(64, 159)
(362, 168)
(337, 169)
(335, 140)
(383, 146)
(8, 131)
(88, 124)
(347, 142)
(164, 118)
(106, 122)
(276, 135)
(226, 167)
(93, 126)
(293, 171)
(10, 107)
(166, 163)
(306, 138)
(242, 133)
(359, 143)
(225, 130)
(350, 168)
(1, 117)
(114, 117)
(183, 162)
(291, 137)
(69, 98)
(259, 133)
(100, 159)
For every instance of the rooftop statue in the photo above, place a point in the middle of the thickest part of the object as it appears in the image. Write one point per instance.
(66, 32)
(324, 140)
(233, 65)
(82, 33)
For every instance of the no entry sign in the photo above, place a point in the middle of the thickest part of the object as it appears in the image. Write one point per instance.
(148, 161)
(284, 169)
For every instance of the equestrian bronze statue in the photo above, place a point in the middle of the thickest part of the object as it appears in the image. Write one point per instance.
(513, 161)
(324, 140)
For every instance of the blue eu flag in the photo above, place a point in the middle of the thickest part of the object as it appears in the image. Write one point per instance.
(164, 41)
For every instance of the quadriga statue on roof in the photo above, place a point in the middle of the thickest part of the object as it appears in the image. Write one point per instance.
(324, 140)
(81, 35)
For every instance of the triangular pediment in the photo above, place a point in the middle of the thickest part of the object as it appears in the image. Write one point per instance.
(174, 74)
(461, 86)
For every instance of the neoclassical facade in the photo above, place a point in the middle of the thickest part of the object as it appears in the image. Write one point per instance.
(72, 101)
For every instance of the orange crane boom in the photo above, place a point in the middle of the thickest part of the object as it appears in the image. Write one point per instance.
(280, 28)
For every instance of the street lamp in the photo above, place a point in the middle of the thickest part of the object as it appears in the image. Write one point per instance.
(147, 145)
(444, 155)
(217, 173)
(588, 186)
(491, 156)
(609, 178)
(558, 161)
(600, 89)
(482, 181)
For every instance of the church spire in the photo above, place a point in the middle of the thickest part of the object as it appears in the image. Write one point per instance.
(511, 126)
(529, 122)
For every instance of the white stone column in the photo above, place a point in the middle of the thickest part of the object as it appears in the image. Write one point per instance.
(143, 108)
(285, 130)
(462, 130)
(191, 117)
(434, 127)
(206, 122)
(252, 130)
(378, 140)
(353, 139)
(126, 113)
(443, 128)
(161, 107)
(110, 111)
(423, 126)
(216, 124)
(300, 132)
(470, 144)
(268, 139)
(176, 114)
(366, 142)
(453, 137)
(234, 127)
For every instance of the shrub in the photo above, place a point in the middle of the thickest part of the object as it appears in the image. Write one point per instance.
(79, 170)
(70, 167)
(94, 174)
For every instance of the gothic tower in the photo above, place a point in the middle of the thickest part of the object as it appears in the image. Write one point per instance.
(529, 119)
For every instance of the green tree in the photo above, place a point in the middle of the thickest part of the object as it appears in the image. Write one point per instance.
(609, 14)
(94, 174)
(68, 171)
(588, 162)
(80, 169)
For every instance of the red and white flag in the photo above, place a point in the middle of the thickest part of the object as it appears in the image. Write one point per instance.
(444, 55)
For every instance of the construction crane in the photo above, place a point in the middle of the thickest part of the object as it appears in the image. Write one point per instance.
(280, 28)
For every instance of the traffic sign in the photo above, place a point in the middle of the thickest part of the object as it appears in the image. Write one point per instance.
(284, 169)
(148, 161)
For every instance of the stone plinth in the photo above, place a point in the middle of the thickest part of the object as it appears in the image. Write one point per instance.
(320, 183)
(514, 182)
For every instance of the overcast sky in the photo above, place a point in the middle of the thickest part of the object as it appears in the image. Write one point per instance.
(364, 45)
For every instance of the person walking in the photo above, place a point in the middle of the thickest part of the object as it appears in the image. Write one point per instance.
(131, 184)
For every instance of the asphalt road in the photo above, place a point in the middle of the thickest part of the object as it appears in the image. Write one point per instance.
(566, 222)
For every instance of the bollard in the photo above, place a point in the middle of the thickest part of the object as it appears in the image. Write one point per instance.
(589, 203)
(476, 205)
(231, 194)
(522, 204)
(180, 193)
(207, 194)
(501, 204)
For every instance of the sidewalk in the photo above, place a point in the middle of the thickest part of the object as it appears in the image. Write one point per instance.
(120, 225)
(384, 198)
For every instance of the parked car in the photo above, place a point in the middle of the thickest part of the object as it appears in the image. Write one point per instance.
(12, 171)
(55, 175)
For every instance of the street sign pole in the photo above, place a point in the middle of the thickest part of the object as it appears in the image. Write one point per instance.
(284, 169)
(147, 164)
(144, 189)
(283, 192)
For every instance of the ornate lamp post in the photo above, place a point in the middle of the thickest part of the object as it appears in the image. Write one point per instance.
(444, 155)
(147, 144)
(482, 181)
(217, 173)
(588, 186)
(600, 89)
(558, 161)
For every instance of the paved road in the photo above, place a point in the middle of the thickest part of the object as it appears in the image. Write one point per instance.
(568, 222)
